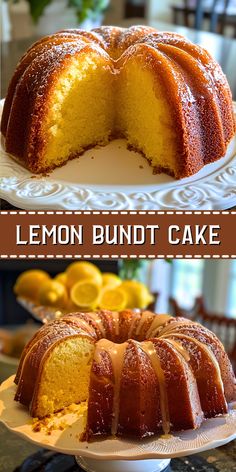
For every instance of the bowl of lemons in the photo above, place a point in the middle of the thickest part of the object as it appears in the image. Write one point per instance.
(82, 287)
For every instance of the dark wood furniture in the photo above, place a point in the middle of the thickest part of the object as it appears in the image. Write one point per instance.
(177, 310)
(134, 10)
(193, 13)
(223, 326)
(152, 306)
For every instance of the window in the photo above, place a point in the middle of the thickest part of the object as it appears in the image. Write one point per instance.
(231, 299)
(187, 281)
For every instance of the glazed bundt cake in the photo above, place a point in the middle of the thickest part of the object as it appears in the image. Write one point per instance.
(75, 89)
(114, 360)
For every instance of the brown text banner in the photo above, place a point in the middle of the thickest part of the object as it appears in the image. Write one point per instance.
(114, 234)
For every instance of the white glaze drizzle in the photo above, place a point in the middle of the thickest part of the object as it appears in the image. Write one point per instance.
(158, 321)
(95, 317)
(172, 327)
(206, 349)
(145, 316)
(117, 354)
(132, 324)
(116, 321)
(180, 348)
(149, 349)
(88, 327)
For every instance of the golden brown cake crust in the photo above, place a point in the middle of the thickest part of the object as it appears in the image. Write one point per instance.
(133, 353)
(194, 83)
(24, 137)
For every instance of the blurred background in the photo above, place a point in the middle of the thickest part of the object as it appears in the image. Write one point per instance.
(184, 280)
(24, 18)
(202, 290)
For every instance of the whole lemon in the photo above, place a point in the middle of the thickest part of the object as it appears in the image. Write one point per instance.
(53, 293)
(138, 295)
(62, 278)
(29, 282)
(83, 270)
(110, 280)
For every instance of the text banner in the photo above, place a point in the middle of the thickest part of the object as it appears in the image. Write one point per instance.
(98, 234)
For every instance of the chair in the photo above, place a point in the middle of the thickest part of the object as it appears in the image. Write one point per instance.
(223, 326)
(177, 310)
(220, 14)
(115, 13)
(152, 305)
(133, 10)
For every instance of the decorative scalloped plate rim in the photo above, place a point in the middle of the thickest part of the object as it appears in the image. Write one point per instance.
(213, 433)
(113, 178)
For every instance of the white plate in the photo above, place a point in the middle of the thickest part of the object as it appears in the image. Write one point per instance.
(113, 178)
(213, 433)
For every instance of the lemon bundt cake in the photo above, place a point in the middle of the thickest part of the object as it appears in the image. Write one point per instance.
(114, 360)
(75, 89)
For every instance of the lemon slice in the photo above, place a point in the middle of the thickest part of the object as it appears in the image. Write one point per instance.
(138, 295)
(113, 299)
(29, 282)
(85, 294)
(83, 270)
(110, 280)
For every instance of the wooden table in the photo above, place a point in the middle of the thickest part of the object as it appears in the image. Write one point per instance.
(217, 21)
(222, 49)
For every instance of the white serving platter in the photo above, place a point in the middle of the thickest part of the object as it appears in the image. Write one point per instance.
(114, 178)
(213, 433)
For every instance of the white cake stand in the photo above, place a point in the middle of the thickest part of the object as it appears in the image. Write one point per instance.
(113, 178)
(113, 455)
